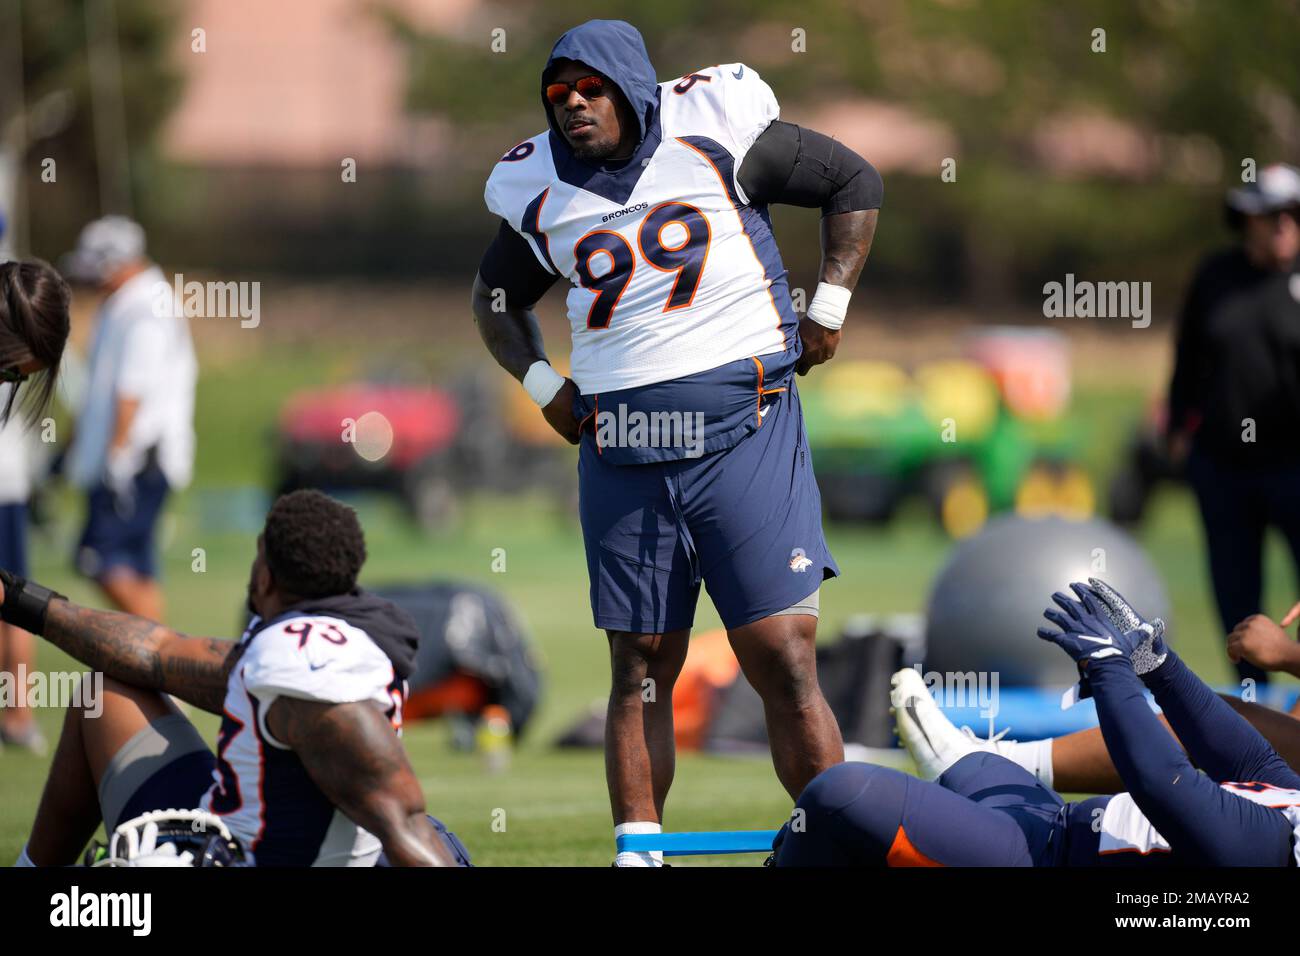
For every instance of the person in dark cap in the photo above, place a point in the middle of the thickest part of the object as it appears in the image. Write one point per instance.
(1234, 400)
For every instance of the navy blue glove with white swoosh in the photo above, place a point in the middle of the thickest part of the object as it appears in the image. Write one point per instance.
(1083, 628)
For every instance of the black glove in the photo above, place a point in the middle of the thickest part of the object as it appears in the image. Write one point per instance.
(25, 603)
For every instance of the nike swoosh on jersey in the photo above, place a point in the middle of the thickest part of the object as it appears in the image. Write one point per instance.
(739, 73)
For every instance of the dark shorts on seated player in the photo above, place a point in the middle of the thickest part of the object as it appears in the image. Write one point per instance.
(745, 520)
(13, 538)
(165, 766)
(120, 533)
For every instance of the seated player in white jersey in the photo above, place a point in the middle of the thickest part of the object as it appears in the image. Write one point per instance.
(308, 768)
(652, 199)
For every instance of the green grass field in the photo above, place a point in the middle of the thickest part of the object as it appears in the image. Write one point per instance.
(553, 803)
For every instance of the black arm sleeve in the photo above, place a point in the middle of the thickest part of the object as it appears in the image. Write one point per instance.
(801, 167)
(509, 264)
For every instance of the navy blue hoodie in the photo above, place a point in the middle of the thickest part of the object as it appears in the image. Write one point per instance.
(615, 49)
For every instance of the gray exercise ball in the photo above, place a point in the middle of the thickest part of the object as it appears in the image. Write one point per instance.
(987, 603)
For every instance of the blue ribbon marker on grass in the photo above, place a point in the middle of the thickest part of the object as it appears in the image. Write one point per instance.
(698, 844)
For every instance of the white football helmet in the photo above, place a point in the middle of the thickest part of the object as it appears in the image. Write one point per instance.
(174, 838)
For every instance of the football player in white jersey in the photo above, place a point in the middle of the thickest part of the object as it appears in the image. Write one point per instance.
(1227, 799)
(652, 200)
(308, 768)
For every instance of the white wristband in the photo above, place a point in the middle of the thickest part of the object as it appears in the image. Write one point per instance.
(541, 382)
(830, 303)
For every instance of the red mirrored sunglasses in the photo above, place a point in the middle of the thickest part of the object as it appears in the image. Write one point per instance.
(557, 94)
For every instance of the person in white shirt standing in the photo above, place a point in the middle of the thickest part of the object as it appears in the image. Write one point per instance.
(134, 441)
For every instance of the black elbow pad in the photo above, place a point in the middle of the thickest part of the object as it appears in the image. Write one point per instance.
(802, 167)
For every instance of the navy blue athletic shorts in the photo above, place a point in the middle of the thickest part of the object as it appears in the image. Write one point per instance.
(744, 520)
(165, 766)
(120, 533)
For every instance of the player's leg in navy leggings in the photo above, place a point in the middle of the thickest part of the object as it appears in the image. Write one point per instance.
(860, 814)
(1204, 824)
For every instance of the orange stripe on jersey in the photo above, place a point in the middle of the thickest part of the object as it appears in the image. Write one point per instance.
(745, 232)
(902, 853)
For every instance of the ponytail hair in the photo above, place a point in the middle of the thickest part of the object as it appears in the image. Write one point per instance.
(34, 326)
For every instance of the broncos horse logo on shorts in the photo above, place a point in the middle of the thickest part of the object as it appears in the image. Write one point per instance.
(799, 561)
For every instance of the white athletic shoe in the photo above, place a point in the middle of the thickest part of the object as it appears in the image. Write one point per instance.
(929, 736)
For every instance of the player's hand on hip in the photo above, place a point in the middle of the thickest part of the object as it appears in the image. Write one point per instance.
(819, 345)
(559, 413)
(1259, 641)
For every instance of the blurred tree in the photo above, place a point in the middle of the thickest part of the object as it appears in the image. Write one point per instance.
(48, 94)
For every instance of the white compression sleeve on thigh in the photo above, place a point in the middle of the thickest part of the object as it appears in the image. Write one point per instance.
(638, 858)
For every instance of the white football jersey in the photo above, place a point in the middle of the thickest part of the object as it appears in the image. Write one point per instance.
(261, 789)
(1125, 829)
(673, 272)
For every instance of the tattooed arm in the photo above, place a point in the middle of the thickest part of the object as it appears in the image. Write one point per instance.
(144, 654)
(353, 755)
